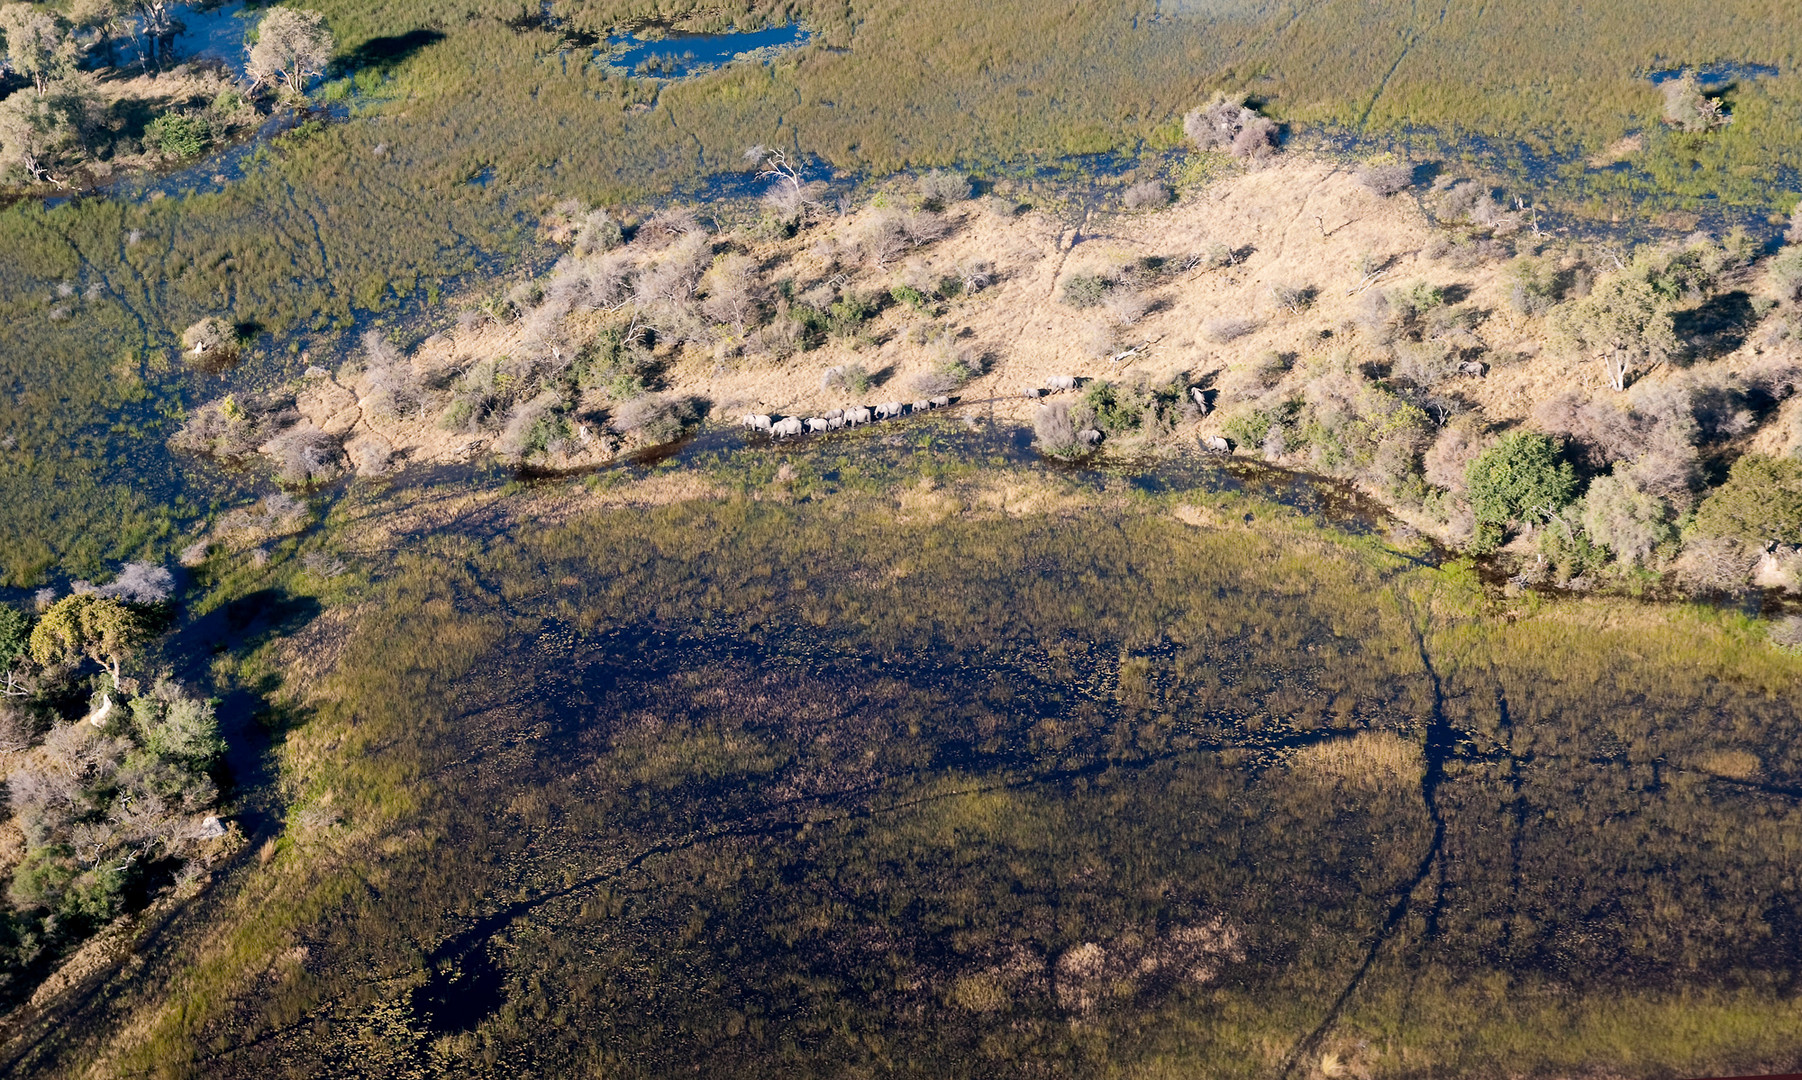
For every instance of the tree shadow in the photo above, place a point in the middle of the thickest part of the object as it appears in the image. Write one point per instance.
(244, 623)
(1717, 327)
(383, 53)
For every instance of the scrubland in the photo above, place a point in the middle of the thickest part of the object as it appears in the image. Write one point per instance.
(1492, 382)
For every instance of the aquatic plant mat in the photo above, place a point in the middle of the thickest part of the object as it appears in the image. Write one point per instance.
(827, 764)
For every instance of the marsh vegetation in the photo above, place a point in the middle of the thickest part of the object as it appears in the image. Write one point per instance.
(817, 761)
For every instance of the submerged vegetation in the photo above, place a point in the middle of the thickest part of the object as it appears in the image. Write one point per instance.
(812, 761)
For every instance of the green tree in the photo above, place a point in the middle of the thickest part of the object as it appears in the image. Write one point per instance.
(1626, 323)
(15, 640)
(1761, 500)
(1519, 478)
(1624, 519)
(85, 625)
(41, 132)
(291, 46)
(37, 43)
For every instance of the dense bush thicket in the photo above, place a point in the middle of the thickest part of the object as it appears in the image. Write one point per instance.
(108, 805)
(1610, 481)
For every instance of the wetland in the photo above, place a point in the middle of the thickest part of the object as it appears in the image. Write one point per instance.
(1320, 596)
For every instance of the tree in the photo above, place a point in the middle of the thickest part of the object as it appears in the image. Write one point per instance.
(1761, 501)
(41, 132)
(106, 18)
(1686, 107)
(157, 18)
(1229, 123)
(37, 43)
(1519, 478)
(210, 337)
(292, 46)
(15, 639)
(99, 628)
(1626, 323)
(1624, 519)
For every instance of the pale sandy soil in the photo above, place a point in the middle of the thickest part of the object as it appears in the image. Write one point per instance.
(1301, 222)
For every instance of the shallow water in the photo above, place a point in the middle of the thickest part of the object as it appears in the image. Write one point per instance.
(209, 32)
(679, 54)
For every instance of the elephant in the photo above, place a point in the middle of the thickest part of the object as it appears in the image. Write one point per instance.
(1088, 436)
(787, 426)
(940, 402)
(1201, 398)
(757, 421)
(1217, 445)
(859, 415)
(1032, 391)
(835, 414)
(920, 406)
(833, 423)
(1060, 383)
(816, 423)
(888, 410)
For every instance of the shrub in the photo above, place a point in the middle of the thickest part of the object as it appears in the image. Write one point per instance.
(847, 315)
(1126, 306)
(1146, 195)
(953, 365)
(1386, 176)
(532, 426)
(1248, 427)
(1293, 298)
(1424, 364)
(1519, 478)
(656, 419)
(1221, 331)
(208, 339)
(1448, 459)
(178, 135)
(912, 297)
(1786, 273)
(1271, 366)
(305, 455)
(944, 188)
(139, 583)
(1229, 123)
(1055, 430)
(1761, 500)
(1532, 286)
(1570, 551)
(1086, 290)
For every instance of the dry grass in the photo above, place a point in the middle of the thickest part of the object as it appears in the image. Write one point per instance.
(1371, 760)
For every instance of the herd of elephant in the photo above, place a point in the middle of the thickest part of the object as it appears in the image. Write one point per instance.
(779, 427)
